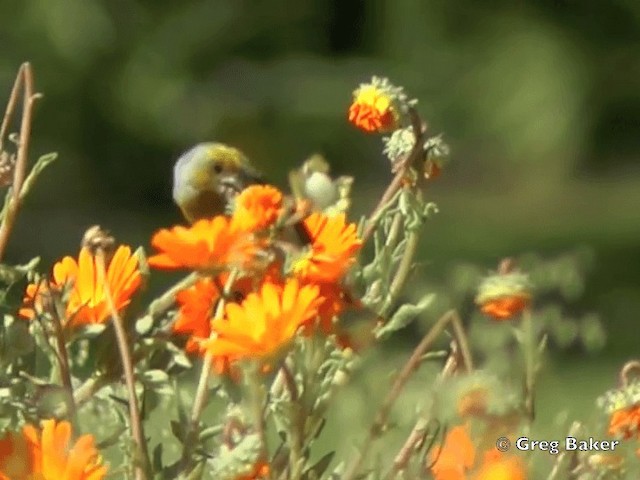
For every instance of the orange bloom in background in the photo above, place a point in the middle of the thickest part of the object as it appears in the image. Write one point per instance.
(261, 470)
(48, 454)
(504, 294)
(87, 300)
(498, 466)
(208, 244)
(454, 459)
(334, 246)
(506, 307)
(372, 110)
(457, 459)
(625, 423)
(264, 322)
(257, 207)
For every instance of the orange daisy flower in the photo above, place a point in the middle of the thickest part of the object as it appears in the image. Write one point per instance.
(264, 322)
(334, 245)
(87, 300)
(454, 459)
(625, 423)
(48, 454)
(257, 207)
(372, 110)
(208, 244)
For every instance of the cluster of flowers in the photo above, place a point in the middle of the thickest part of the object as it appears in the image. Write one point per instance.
(270, 302)
(278, 298)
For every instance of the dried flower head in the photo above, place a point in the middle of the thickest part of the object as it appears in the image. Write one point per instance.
(48, 454)
(504, 295)
(81, 280)
(480, 394)
(7, 166)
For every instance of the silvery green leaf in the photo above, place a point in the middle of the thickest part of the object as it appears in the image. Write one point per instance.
(405, 315)
(143, 265)
(144, 324)
(90, 331)
(154, 377)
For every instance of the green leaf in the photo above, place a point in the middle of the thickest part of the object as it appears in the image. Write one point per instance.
(404, 316)
(144, 324)
(42, 163)
(13, 273)
(316, 471)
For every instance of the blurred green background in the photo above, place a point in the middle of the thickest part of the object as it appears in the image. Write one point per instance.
(539, 100)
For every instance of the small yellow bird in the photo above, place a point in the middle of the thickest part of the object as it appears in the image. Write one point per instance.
(208, 177)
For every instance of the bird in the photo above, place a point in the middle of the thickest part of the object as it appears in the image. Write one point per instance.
(207, 177)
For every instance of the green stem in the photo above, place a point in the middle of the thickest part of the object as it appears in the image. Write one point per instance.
(202, 389)
(530, 363)
(402, 273)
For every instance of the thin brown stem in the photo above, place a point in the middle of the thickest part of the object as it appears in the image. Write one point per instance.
(63, 363)
(421, 427)
(137, 429)
(560, 459)
(24, 79)
(165, 301)
(382, 416)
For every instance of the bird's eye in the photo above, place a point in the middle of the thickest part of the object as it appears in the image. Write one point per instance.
(218, 167)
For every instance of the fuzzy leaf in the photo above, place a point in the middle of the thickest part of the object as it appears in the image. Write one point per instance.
(404, 316)
(13, 273)
(144, 324)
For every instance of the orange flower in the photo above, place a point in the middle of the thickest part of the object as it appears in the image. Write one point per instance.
(334, 244)
(504, 294)
(48, 455)
(208, 244)
(196, 308)
(260, 470)
(506, 307)
(625, 423)
(372, 110)
(264, 322)
(454, 459)
(498, 466)
(87, 300)
(257, 207)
